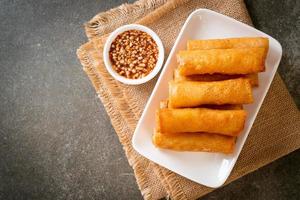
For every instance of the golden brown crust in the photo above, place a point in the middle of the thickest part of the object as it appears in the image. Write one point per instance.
(223, 61)
(195, 142)
(192, 94)
(229, 43)
(190, 120)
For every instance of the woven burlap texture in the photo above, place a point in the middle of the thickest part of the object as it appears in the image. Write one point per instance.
(275, 132)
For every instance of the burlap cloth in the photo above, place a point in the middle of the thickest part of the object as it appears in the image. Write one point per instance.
(274, 134)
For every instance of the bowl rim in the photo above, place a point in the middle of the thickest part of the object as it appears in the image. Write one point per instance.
(107, 61)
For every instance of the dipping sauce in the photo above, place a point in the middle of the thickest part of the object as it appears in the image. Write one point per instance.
(133, 54)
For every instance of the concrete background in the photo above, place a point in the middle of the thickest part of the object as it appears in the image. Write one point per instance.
(56, 140)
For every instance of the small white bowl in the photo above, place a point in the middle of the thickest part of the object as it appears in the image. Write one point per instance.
(107, 61)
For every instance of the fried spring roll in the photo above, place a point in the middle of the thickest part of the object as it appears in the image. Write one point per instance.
(253, 78)
(191, 94)
(191, 120)
(229, 43)
(222, 61)
(164, 104)
(195, 142)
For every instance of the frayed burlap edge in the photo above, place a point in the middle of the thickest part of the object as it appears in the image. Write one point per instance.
(104, 22)
(162, 10)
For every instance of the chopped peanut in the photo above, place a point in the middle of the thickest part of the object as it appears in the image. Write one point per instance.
(133, 54)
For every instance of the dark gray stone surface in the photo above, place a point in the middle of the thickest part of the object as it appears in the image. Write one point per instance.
(56, 141)
(281, 19)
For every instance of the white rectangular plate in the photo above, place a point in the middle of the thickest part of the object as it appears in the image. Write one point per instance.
(210, 169)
